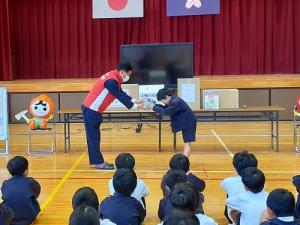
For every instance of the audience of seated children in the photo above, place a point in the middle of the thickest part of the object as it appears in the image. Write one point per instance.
(248, 206)
(181, 162)
(171, 178)
(6, 214)
(280, 208)
(181, 217)
(185, 197)
(233, 186)
(20, 192)
(87, 196)
(121, 208)
(84, 215)
(127, 161)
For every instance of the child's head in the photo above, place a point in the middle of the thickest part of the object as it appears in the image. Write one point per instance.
(173, 177)
(125, 161)
(242, 160)
(84, 215)
(17, 166)
(85, 196)
(6, 214)
(253, 179)
(164, 96)
(124, 181)
(281, 203)
(179, 162)
(181, 217)
(184, 197)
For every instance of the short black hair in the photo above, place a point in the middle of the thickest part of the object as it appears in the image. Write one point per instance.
(253, 179)
(125, 161)
(84, 215)
(173, 177)
(181, 217)
(179, 162)
(185, 197)
(242, 160)
(85, 196)
(124, 181)
(281, 202)
(17, 165)
(162, 93)
(6, 214)
(126, 66)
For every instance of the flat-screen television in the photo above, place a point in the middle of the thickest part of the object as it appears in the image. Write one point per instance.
(159, 63)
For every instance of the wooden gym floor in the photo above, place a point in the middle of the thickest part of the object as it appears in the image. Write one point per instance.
(62, 174)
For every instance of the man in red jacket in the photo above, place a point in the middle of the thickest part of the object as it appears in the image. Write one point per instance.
(106, 89)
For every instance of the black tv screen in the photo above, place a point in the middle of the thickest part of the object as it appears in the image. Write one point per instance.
(159, 63)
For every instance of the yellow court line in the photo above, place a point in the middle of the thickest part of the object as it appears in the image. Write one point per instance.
(61, 183)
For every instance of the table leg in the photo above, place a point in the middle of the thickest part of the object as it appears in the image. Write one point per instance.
(65, 132)
(69, 134)
(277, 130)
(159, 134)
(271, 115)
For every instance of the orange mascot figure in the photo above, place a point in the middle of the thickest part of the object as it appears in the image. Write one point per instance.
(41, 110)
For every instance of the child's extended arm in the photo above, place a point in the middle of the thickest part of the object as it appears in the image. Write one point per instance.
(167, 110)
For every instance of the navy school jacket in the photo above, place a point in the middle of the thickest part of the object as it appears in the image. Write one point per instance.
(20, 194)
(182, 117)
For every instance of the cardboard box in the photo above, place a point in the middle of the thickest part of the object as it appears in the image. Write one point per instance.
(189, 91)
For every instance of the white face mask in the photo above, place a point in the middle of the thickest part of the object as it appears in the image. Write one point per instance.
(126, 78)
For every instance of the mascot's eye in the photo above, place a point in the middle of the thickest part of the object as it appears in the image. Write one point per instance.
(44, 109)
(35, 107)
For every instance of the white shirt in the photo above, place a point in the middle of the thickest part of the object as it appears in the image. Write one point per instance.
(233, 186)
(251, 205)
(141, 190)
(106, 222)
(205, 220)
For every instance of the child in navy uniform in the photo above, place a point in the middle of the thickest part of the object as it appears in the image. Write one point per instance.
(182, 117)
(141, 191)
(6, 215)
(281, 208)
(121, 208)
(20, 192)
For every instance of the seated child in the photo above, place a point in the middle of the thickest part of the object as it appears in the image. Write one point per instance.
(296, 183)
(182, 117)
(234, 185)
(181, 217)
(280, 208)
(20, 192)
(248, 206)
(6, 215)
(181, 162)
(171, 178)
(121, 208)
(84, 215)
(87, 196)
(127, 161)
(185, 197)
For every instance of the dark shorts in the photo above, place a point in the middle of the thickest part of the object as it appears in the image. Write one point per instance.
(189, 134)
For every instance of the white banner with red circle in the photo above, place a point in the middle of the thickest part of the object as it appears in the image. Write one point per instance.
(118, 8)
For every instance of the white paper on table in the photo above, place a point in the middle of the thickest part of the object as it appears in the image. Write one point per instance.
(188, 92)
(148, 92)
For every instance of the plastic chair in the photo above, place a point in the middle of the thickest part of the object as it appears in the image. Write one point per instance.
(296, 123)
(50, 131)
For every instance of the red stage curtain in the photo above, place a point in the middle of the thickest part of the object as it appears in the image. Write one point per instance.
(5, 50)
(59, 38)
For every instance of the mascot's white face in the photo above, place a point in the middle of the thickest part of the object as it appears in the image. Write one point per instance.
(40, 108)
